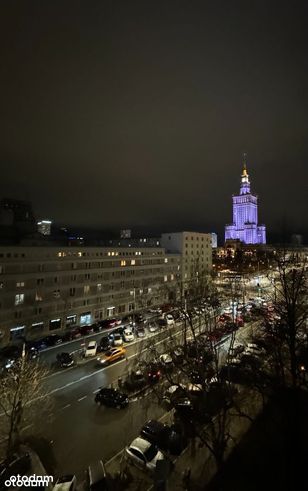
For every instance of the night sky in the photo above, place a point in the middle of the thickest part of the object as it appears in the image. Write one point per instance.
(130, 113)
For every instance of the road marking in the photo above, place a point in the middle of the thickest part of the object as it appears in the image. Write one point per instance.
(67, 405)
(27, 427)
(82, 398)
(96, 391)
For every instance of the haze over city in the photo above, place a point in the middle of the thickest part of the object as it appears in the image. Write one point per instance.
(137, 113)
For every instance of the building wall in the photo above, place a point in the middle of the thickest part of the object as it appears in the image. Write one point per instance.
(74, 286)
(195, 249)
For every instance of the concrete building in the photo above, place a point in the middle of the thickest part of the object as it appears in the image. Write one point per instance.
(214, 240)
(196, 253)
(44, 227)
(51, 289)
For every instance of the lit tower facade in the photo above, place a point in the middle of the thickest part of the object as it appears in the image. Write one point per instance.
(245, 215)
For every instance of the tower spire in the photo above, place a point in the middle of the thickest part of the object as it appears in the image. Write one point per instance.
(244, 173)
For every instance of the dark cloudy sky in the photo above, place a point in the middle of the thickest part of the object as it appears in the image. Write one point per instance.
(137, 113)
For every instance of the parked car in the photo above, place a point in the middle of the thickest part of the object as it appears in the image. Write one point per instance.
(135, 381)
(144, 454)
(96, 477)
(104, 344)
(91, 349)
(66, 483)
(112, 355)
(85, 330)
(111, 398)
(154, 373)
(140, 331)
(53, 340)
(128, 320)
(109, 323)
(166, 361)
(65, 360)
(153, 326)
(17, 464)
(165, 437)
(116, 339)
(173, 393)
(128, 335)
(76, 333)
(169, 319)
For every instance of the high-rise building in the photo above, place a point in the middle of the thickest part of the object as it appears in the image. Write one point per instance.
(214, 240)
(245, 215)
(125, 233)
(44, 227)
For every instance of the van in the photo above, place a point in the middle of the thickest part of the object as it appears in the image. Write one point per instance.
(97, 477)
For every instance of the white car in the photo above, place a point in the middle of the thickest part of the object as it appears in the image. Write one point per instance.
(169, 319)
(144, 454)
(66, 483)
(117, 339)
(128, 335)
(152, 327)
(166, 360)
(91, 349)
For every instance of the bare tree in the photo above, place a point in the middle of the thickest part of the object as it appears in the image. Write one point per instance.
(21, 393)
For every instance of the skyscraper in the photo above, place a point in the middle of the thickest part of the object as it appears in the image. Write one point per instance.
(245, 215)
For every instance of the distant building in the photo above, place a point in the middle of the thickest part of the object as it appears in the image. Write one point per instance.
(297, 240)
(44, 227)
(196, 253)
(245, 216)
(18, 214)
(214, 240)
(125, 234)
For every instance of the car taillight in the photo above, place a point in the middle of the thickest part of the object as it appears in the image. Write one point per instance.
(158, 373)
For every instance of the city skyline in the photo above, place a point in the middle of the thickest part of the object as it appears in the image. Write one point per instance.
(138, 117)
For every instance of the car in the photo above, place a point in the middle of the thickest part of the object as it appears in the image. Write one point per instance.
(76, 333)
(169, 438)
(53, 340)
(154, 373)
(166, 361)
(111, 398)
(17, 464)
(140, 331)
(128, 321)
(178, 355)
(96, 477)
(66, 483)
(143, 454)
(128, 335)
(169, 319)
(155, 310)
(116, 339)
(112, 355)
(91, 349)
(104, 344)
(236, 350)
(153, 327)
(65, 360)
(174, 392)
(109, 323)
(85, 330)
(136, 380)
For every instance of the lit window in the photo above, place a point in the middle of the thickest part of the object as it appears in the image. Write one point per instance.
(172, 277)
(86, 289)
(79, 254)
(123, 262)
(112, 253)
(166, 259)
(133, 262)
(19, 298)
(38, 297)
(165, 278)
(109, 253)
(99, 287)
(131, 292)
(20, 284)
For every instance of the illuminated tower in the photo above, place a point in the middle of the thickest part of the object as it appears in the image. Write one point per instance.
(245, 215)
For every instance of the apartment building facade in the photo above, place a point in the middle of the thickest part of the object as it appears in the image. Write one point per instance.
(50, 289)
(195, 250)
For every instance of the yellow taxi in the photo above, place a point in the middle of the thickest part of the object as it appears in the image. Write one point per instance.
(113, 354)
